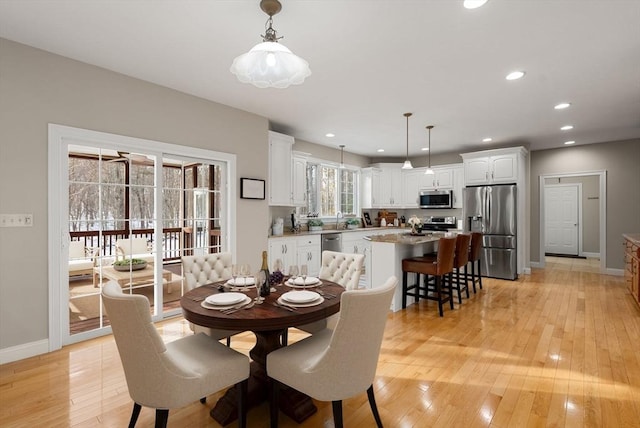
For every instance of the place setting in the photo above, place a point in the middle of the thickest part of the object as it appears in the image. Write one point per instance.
(226, 302)
(300, 299)
(300, 279)
(240, 278)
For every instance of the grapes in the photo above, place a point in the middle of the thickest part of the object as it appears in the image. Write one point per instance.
(276, 278)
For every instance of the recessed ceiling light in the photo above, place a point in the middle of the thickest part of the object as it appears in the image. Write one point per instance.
(329, 135)
(568, 143)
(473, 4)
(380, 150)
(425, 149)
(566, 128)
(562, 106)
(515, 75)
(486, 140)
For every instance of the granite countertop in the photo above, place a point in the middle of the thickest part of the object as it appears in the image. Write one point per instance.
(360, 229)
(408, 239)
(633, 237)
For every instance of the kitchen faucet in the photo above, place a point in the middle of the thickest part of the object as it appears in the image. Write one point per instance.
(338, 216)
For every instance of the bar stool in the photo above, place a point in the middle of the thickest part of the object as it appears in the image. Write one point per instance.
(474, 258)
(441, 267)
(460, 280)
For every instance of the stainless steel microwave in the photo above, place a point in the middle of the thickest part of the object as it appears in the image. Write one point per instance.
(431, 199)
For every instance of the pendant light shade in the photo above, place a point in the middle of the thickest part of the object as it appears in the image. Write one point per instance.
(270, 64)
(407, 162)
(429, 171)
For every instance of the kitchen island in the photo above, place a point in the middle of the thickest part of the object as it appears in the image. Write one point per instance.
(388, 251)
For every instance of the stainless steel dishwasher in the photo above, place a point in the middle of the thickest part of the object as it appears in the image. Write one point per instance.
(331, 242)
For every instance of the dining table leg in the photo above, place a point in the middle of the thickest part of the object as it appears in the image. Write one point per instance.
(293, 403)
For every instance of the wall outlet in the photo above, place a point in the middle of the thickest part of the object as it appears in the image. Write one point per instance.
(16, 220)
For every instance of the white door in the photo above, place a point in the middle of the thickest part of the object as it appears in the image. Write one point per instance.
(561, 219)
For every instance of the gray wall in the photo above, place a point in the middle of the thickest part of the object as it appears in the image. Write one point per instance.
(37, 88)
(590, 207)
(330, 154)
(621, 161)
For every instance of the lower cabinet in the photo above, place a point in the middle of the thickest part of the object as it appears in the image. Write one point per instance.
(632, 266)
(296, 250)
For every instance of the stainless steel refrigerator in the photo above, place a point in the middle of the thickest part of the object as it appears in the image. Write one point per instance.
(492, 211)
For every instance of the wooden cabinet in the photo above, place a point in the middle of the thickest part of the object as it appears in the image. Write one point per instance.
(280, 175)
(493, 169)
(299, 180)
(632, 264)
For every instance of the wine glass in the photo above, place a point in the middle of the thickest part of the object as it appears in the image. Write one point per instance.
(304, 270)
(245, 271)
(277, 267)
(235, 270)
(293, 273)
(259, 278)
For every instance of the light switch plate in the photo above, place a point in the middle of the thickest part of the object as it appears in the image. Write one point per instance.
(16, 220)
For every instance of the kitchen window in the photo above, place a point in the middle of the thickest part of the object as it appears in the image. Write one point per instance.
(330, 190)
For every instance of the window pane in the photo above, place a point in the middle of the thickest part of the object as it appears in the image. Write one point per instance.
(312, 190)
(142, 174)
(328, 194)
(347, 191)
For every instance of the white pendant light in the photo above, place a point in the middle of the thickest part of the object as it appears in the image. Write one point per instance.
(270, 64)
(429, 171)
(407, 162)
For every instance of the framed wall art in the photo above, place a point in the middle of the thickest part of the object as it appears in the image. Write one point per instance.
(252, 188)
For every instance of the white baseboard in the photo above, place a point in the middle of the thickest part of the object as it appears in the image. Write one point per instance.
(590, 255)
(26, 350)
(535, 264)
(526, 271)
(615, 272)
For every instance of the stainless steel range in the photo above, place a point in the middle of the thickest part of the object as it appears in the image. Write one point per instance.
(439, 223)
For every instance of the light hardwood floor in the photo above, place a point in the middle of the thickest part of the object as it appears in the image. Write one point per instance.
(557, 348)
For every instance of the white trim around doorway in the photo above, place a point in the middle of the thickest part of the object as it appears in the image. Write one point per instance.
(602, 174)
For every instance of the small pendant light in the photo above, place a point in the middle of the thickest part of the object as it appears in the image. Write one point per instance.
(407, 162)
(429, 171)
(341, 156)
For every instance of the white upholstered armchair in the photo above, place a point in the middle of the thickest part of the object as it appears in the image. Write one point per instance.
(342, 268)
(336, 365)
(80, 261)
(201, 270)
(167, 376)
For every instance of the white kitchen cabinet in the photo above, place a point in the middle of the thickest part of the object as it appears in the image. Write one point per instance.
(413, 181)
(299, 180)
(493, 166)
(441, 179)
(366, 188)
(308, 253)
(387, 185)
(354, 243)
(283, 249)
(458, 185)
(280, 164)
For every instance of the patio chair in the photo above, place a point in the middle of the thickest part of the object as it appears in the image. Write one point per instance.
(81, 262)
(134, 248)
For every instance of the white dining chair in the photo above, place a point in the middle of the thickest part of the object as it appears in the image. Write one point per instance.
(166, 376)
(334, 365)
(343, 269)
(201, 270)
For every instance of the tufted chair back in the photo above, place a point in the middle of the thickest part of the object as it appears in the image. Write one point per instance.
(200, 270)
(343, 268)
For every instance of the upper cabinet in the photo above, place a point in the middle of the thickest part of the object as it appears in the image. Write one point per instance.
(280, 174)
(493, 166)
(299, 179)
(442, 179)
(386, 185)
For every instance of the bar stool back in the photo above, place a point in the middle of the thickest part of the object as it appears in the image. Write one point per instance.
(442, 266)
(460, 279)
(474, 259)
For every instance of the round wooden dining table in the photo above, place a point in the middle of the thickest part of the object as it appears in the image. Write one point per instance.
(268, 322)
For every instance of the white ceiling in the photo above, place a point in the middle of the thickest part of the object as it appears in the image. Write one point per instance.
(374, 60)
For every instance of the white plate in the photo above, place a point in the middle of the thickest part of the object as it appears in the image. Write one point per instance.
(301, 296)
(225, 298)
(241, 281)
(310, 280)
(206, 305)
(300, 305)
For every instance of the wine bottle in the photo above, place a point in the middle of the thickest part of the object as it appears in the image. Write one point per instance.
(265, 287)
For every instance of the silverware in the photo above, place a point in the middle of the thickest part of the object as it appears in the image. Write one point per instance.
(238, 307)
(198, 299)
(288, 308)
